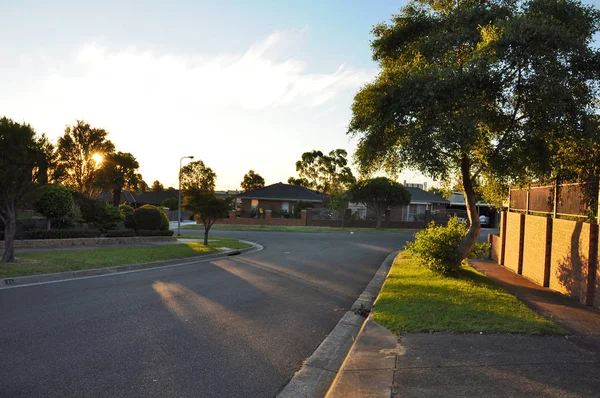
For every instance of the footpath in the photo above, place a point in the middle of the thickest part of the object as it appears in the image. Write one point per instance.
(381, 364)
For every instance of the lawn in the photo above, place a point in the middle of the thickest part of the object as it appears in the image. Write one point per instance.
(413, 299)
(48, 262)
(278, 228)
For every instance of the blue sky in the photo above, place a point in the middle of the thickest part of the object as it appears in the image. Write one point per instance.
(241, 85)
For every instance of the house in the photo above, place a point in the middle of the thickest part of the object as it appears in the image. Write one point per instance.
(420, 202)
(459, 207)
(279, 198)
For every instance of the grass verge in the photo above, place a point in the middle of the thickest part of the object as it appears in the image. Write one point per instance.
(414, 299)
(218, 241)
(227, 227)
(48, 262)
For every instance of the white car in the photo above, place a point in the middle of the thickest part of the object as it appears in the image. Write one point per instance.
(484, 220)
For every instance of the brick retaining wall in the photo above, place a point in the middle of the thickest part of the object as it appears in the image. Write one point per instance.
(40, 243)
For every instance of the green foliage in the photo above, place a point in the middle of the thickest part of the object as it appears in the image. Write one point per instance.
(157, 186)
(196, 176)
(252, 181)
(327, 173)
(117, 172)
(378, 194)
(206, 207)
(127, 215)
(109, 217)
(150, 217)
(436, 247)
(171, 203)
(76, 149)
(124, 233)
(55, 202)
(301, 205)
(443, 192)
(495, 90)
(58, 234)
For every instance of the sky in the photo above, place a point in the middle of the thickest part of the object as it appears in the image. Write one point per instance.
(239, 85)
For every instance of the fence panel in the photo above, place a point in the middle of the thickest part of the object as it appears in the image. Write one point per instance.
(327, 214)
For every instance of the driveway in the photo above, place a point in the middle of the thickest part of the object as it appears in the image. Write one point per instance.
(235, 327)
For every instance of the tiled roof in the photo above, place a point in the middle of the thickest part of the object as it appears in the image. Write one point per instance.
(419, 195)
(282, 191)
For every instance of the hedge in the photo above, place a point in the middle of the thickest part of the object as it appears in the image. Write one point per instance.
(130, 232)
(55, 234)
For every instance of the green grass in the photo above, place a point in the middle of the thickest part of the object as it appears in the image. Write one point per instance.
(48, 262)
(413, 299)
(229, 227)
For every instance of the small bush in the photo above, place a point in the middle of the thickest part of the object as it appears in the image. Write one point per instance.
(127, 214)
(110, 218)
(142, 232)
(436, 247)
(150, 218)
(58, 234)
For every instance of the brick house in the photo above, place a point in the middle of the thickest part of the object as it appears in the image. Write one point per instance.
(280, 198)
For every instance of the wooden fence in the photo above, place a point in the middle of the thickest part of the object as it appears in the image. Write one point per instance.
(558, 200)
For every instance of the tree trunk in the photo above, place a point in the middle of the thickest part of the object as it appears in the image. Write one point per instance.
(10, 230)
(471, 203)
(116, 197)
(378, 215)
(48, 224)
(205, 237)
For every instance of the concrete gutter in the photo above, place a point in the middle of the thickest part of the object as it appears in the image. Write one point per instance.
(320, 370)
(10, 283)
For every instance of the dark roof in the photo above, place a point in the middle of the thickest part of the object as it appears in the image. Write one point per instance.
(419, 195)
(282, 191)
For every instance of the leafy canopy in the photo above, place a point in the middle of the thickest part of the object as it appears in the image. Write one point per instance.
(378, 194)
(157, 186)
(252, 181)
(328, 173)
(206, 207)
(196, 176)
(117, 172)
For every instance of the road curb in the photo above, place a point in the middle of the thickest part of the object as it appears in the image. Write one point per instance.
(9, 283)
(320, 370)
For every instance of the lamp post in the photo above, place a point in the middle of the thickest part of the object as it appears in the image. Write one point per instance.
(179, 199)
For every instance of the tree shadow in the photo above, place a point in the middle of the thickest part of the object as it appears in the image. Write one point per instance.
(571, 271)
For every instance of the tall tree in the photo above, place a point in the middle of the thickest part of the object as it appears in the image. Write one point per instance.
(206, 207)
(118, 172)
(157, 186)
(378, 194)
(19, 154)
(489, 89)
(303, 182)
(196, 176)
(252, 181)
(327, 173)
(79, 150)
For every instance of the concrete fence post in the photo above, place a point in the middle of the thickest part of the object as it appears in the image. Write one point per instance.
(503, 217)
(548, 253)
(268, 214)
(303, 217)
(592, 265)
(521, 243)
(309, 216)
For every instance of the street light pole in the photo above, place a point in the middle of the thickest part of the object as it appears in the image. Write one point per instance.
(179, 199)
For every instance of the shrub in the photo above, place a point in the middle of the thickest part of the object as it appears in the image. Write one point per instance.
(59, 234)
(110, 218)
(142, 232)
(436, 247)
(150, 217)
(127, 214)
(55, 202)
(120, 233)
(171, 203)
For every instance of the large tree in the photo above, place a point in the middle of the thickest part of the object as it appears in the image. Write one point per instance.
(118, 172)
(80, 149)
(478, 89)
(207, 208)
(196, 176)
(327, 173)
(252, 181)
(379, 194)
(19, 157)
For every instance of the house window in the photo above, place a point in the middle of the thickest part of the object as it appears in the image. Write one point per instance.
(285, 207)
(254, 203)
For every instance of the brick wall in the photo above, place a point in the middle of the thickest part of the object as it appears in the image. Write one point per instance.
(570, 250)
(534, 249)
(513, 231)
(496, 246)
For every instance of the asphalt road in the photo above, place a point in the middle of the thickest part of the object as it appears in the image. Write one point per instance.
(234, 327)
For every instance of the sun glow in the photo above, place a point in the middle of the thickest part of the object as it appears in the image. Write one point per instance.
(97, 157)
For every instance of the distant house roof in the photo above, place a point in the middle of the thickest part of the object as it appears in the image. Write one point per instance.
(281, 191)
(419, 195)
